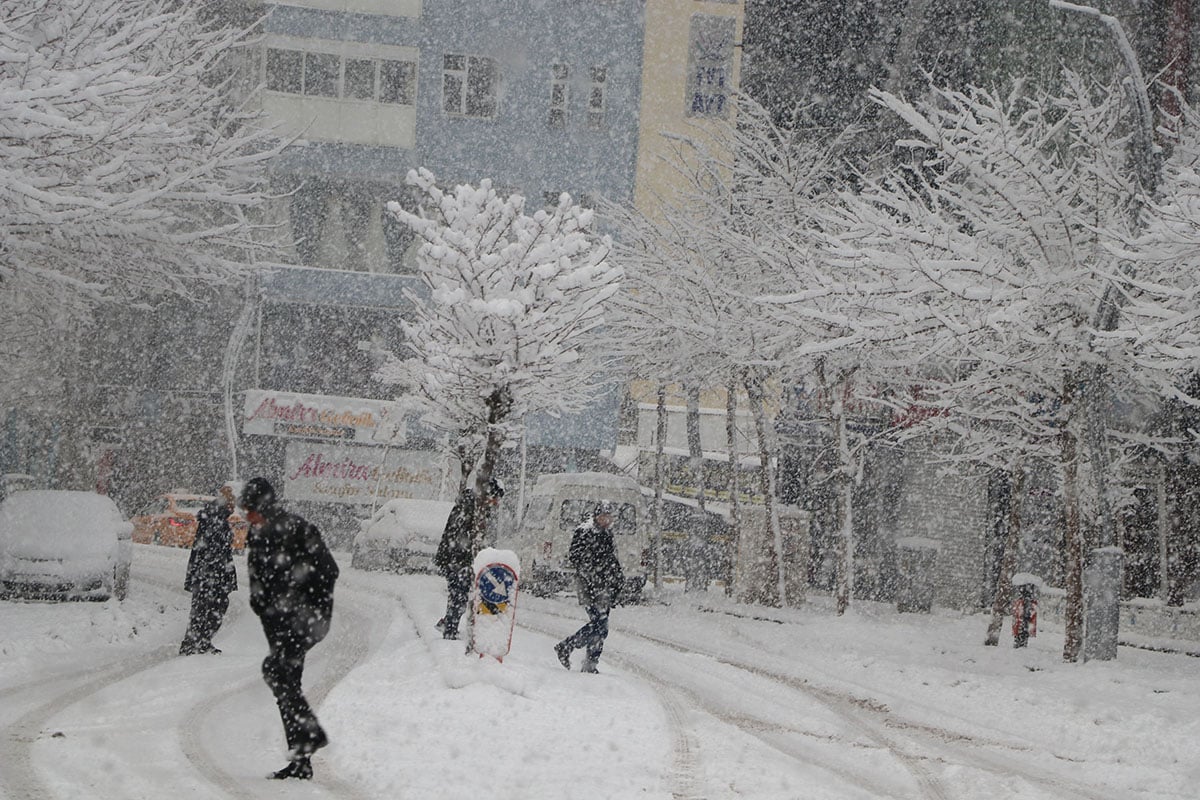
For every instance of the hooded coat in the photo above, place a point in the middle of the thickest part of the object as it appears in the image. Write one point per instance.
(210, 565)
(291, 571)
(593, 556)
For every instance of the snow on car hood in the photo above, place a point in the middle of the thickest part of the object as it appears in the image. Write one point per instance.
(404, 520)
(53, 524)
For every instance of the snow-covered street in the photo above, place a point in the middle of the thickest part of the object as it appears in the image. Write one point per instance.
(697, 699)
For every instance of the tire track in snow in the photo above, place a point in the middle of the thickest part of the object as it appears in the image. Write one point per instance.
(683, 745)
(929, 786)
(346, 647)
(19, 778)
(878, 723)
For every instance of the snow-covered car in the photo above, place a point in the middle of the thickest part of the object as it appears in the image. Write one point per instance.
(170, 519)
(63, 544)
(401, 536)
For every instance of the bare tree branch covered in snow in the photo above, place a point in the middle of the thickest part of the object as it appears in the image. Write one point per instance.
(127, 166)
(514, 301)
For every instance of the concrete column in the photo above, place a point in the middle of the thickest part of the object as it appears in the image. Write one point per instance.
(1101, 603)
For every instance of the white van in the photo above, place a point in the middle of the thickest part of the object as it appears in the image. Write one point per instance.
(559, 503)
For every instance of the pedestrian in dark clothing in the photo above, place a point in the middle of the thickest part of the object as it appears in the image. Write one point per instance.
(291, 574)
(210, 575)
(598, 574)
(454, 557)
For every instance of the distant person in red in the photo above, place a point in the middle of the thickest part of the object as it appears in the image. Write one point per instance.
(210, 575)
(291, 574)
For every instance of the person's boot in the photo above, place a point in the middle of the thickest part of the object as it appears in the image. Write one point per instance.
(314, 740)
(563, 651)
(300, 768)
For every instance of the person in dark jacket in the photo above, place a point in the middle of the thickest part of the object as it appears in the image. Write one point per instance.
(291, 574)
(598, 574)
(454, 556)
(210, 575)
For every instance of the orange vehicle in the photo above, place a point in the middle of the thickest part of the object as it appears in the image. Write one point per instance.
(170, 519)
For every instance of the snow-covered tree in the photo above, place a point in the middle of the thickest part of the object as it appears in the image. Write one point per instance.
(739, 277)
(127, 165)
(696, 265)
(513, 301)
(1012, 212)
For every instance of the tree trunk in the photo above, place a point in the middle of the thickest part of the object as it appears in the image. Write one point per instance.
(660, 479)
(499, 404)
(1008, 561)
(695, 446)
(693, 569)
(734, 483)
(845, 571)
(1073, 549)
(772, 581)
(1178, 61)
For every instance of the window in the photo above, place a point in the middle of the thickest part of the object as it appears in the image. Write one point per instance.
(397, 82)
(359, 82)
(285, 69)
(321, 74)
(469, 85)
(350, 78)
(559, 93)
(596, 100)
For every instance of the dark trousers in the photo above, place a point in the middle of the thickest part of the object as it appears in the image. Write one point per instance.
(208, 611)
(458, 587)
(591, 635)
(283, 671)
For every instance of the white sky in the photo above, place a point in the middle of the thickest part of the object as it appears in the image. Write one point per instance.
(696, 699)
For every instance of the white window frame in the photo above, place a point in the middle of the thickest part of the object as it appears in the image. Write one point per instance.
(343, 52)
(471, 64)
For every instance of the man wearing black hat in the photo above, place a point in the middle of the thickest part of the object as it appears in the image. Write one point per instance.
(454, 556)
(593, 556)
(291, 574)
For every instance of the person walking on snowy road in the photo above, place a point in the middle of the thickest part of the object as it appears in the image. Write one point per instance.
(210, 576)
(291, 574)
(454, 555)
(593, 556)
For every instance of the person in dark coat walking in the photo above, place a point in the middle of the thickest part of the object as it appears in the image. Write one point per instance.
(454, 558)
(210, 575)
(598, 574)
(291, 574)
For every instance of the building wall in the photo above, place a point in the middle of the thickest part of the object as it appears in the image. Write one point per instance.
(685, 49)
(951, 510)
(353, 153)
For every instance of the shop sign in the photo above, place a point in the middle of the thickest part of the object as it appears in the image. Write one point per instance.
(358, 474)
(314, 416)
